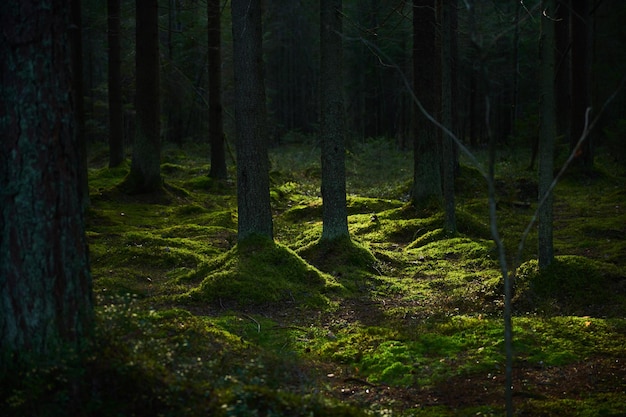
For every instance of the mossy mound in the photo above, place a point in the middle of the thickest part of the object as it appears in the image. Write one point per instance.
(259, 272)
(572, 285)
(343, 258)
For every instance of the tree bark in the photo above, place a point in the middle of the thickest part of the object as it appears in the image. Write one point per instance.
(145, 169)
(253, 199)
(332, 122)
(216, 125)
(45, 284)
(547, 135)
(580, 87)
(448, 146)
(426, 155)
(116, 123)
(76, 40)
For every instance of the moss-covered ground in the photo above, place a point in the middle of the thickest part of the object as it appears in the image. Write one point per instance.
(402, 320)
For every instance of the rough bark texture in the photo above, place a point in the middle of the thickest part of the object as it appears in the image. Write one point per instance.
(45, 283)
(426, 158)
(334, 215)
(216, 125)
(145, 169)
(253, 197)
(116, 124)
(547, 134)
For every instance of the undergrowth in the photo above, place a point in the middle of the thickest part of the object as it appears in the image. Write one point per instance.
(389, 322)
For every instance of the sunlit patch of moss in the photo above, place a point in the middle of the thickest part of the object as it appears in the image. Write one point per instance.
(434, 351)
(260, 272)
(571, 285)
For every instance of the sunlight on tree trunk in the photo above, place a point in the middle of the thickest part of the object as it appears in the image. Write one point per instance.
(335, 218)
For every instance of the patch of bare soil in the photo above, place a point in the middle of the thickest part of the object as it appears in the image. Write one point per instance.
(576, 381)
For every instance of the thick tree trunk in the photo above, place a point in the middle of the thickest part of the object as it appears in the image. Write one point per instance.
(116, 123)
(426, 159)
(332, 129)
(216, 125)
(145, 169)
(45, 283)
(253, 198)
(547, 135)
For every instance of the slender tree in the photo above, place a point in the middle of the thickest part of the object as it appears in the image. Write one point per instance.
(116, 125)
(580, 87)
(45, 284)
(253, 198)
(145, 169)
(334, 216)
(426, 159)
(547, 133)
(449, 153)
(216, 125)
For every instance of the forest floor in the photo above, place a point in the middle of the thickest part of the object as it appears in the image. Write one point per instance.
(403, 320)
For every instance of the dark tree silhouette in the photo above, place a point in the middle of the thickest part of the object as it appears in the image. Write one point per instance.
(449, 154)
(145, 169)
(116, 126)
(426, 177)
(216, 125)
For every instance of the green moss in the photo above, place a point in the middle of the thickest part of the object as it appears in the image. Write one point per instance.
(571, 285)
(349, 261)
(259, 272)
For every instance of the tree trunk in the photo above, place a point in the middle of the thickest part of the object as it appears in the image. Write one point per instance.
(448, 146)
(216, 126)
(332, 120)
(45, 283)
(426, 158)
(76, 39)
(547, 134)
(145, 169)
(581, 81)
(116, 121)
(253, 198)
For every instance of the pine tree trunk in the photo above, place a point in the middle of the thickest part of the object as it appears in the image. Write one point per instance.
(334, 216)
(448, 146)
(547, 135)
(216, 126)
(253, 198)
(145, 169)
(426, 155)
(45, 283)
(116, 123)
(580, 21)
